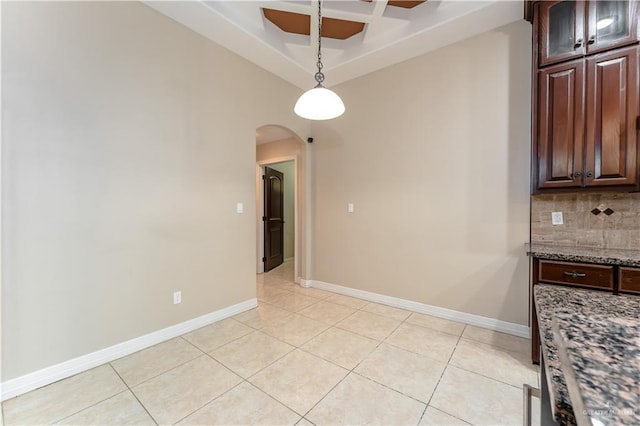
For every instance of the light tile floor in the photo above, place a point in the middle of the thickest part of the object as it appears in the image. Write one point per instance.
(304, 356)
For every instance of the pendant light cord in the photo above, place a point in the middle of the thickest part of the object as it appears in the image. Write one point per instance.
(318, 103)
(319, 75)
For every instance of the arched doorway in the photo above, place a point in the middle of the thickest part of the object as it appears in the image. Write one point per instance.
(280, 148)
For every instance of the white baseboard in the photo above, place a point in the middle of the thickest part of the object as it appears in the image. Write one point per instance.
(48, 375)
(308, 283)
(422, 308)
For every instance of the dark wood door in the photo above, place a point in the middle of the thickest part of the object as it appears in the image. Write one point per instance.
(560, 30)
(611, 24)
(273, 218)
(560, 132)
(612, 111)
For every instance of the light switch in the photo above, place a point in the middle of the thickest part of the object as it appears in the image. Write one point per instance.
(350, 207)
(240, 208)
(556, 218)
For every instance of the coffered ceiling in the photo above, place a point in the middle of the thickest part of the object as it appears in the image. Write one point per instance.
(359, 36)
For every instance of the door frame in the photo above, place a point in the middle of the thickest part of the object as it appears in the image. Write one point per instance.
(260, 165)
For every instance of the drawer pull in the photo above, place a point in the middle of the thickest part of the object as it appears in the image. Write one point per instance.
(575, 274)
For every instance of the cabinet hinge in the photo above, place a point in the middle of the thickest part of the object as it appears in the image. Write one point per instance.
(264, 259)
(264, 218)
(263, 177)
(638, 123)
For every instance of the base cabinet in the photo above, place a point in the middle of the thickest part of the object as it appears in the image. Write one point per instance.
(629, 280)
(610, 278)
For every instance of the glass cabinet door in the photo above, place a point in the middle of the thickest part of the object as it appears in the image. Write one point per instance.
(561, 29)
(611, 24)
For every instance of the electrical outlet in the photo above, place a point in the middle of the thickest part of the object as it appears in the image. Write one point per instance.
(350, 207)
(177, 297)
(239, 208)
(556, 218)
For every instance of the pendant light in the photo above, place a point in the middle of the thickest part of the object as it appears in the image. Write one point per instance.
(319, 103)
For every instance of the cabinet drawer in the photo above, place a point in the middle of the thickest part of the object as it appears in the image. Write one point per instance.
(578, 274)
(629, 280)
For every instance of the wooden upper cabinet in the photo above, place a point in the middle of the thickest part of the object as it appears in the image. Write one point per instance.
(560, 30)
(571, 29)
(611, 24)
(560, 125)
(592, 140)
(586, 95)
(611, 112)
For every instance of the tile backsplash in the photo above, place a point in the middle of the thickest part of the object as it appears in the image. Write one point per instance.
(607, 220)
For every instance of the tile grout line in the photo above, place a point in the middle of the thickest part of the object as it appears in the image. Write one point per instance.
(390, 388)
(295, 347)
(208, 354)
(336, 364)
(326, 394)
(266, 366)
(134, 394)
(275, 399)
(435, 389)
(475, 372)
(223, 344)
(299, 347)
(218, 396)
(210, 401)
(384, 340)
(165, 371)
(487, 377)
(158, 375)
(352, 369)
(90, 406)
(405, 320)
(287, 314)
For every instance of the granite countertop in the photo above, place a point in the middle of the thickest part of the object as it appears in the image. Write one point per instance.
(623, 257)
(553, 301)
(600, 356)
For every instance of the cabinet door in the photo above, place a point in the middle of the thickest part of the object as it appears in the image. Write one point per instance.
(561, 30)
(612, 110)
(560, 132)
(611, 24)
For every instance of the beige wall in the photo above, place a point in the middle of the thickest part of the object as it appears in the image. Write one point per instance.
(619, 230)
(278, 149)
(127, 142)
(434, 154)
(288, 170)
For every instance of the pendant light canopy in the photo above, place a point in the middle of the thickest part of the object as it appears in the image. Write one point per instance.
(319, 103)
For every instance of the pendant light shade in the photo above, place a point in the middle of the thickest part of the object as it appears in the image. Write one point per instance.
(319, 103)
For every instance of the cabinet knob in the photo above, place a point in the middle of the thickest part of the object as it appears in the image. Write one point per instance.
(592, 39)
(577, 175)
(589, 174)
(578, 43)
